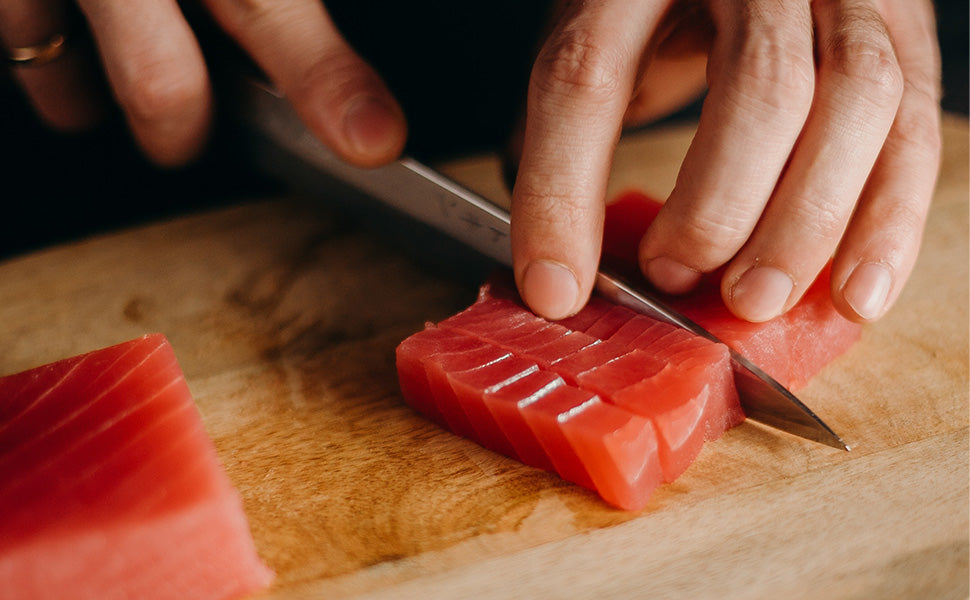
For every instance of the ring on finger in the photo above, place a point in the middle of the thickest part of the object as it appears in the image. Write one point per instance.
(39, 54)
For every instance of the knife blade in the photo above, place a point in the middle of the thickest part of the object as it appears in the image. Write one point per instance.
(414, 189)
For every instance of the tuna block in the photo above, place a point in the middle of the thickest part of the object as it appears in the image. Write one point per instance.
(111, 488)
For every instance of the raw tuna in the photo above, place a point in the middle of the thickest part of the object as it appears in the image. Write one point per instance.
(619, 407)
(792, 347)
(609, 399)
(111, 488)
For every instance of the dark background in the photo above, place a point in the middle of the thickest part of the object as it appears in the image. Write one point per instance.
(59, 187)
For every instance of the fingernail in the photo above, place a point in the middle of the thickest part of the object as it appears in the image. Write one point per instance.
(671, 276)
(550, 289)
(368, 125)
(761, 293)
(867, 289)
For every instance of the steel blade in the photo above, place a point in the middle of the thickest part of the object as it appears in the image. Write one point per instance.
(424, 194)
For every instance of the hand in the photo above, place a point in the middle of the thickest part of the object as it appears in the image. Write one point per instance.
(819, 136)
(157, 74)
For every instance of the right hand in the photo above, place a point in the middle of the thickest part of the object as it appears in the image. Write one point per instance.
(157, 74)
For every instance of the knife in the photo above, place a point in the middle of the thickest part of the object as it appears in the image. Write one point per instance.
(281, 144)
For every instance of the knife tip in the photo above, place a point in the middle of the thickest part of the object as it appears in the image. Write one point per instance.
(836, 442)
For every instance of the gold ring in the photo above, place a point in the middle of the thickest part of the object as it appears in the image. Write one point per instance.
(35, 56)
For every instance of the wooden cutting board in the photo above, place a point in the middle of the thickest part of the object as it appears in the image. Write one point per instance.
(285, 321)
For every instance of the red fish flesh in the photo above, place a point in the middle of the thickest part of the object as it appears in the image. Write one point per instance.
(617, 407)
(609, 399)
(111, 488)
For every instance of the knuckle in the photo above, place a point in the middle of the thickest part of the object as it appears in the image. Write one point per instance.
(861, 51)
(709, 240)
(576, 64)
(778, 72)
(163, 90)
(551, 210)
(714, 234)
(821, 221)
(240, 15)
(338, 72)
(917, 129)
(895, 227)
(924, 84)
(902, 216)
(326, 65)
(871, 67)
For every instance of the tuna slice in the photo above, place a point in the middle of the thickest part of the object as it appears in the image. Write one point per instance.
(609, 399)
(111, 488)
(620, 416)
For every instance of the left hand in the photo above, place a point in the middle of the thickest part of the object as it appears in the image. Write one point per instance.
(819, 136)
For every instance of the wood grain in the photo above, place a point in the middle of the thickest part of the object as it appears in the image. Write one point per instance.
(285, 319)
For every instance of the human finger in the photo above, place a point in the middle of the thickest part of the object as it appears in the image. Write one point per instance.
(675, 74)
(337, 94)
(37, 36)
(668, 84)
(579, 90)
(761, 83)
(881, 244)
(156, 70)
(673, 77)
(857, 95)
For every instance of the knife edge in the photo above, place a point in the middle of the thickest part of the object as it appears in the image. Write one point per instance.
(764, 399)
(429, 197)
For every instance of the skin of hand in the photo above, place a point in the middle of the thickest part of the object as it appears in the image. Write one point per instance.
(157, 72)
(819, 139)
(819, 135)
